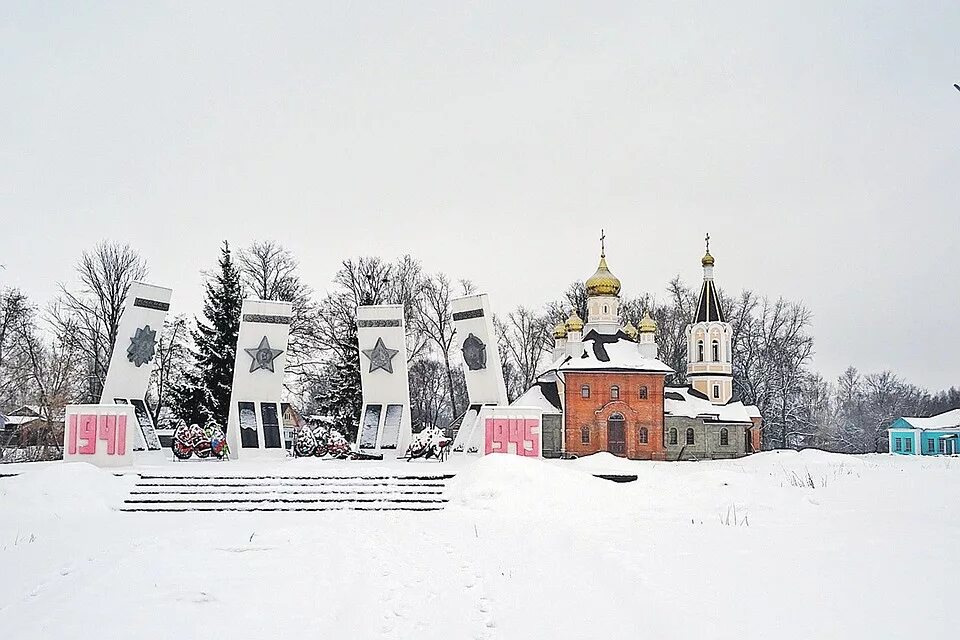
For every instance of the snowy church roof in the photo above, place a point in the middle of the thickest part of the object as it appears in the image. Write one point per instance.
(615, 352)
(946, 420)
(687, 402)
(543, 395)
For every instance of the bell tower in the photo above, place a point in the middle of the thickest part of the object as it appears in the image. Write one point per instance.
(709, 338)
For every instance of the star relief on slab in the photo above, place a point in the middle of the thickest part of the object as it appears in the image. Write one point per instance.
(142, 346)
(381, 357)
(263, 356)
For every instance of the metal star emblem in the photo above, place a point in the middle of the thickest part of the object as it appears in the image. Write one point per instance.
(381, 357)
(263, 356)
(142, 346)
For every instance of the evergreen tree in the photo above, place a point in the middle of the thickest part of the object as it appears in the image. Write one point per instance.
(205, 394)
(342, 399)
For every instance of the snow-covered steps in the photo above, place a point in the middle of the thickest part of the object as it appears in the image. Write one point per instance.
(180, 493)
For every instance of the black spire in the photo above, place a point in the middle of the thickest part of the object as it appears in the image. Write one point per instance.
(708, 308)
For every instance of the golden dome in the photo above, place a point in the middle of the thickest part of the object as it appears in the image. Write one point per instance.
(630, 330)
(603, 283)
(574, 322)
(707, 260)
(647, 324)
(560, 331)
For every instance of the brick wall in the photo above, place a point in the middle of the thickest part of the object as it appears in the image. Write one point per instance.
(755, 435)
(593, 412)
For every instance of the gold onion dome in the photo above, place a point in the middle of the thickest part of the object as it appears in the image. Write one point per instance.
(603, 283)
(560, 331)
(707, 260)
(630, 330)
(647, 324)
(574, 322)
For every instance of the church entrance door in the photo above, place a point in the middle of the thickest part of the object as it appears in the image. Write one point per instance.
(616, 435)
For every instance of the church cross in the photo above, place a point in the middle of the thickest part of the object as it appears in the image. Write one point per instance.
(603, 252)
(708, 242)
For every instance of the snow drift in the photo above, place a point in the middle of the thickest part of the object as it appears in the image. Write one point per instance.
(516, 485)
(59, 489)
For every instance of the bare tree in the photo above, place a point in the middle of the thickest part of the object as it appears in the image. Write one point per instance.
(574, 299)
(525, 336)
(269, 272)
(770, 359)
(427, 382)
(172, 358)
(90, 317)
(369, 281)
(49, 373)
(467, 287)
(15, 311)
(434, 320)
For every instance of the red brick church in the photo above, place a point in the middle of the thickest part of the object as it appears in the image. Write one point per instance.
(605, 389)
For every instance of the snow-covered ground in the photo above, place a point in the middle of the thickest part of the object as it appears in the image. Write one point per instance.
(526, 549)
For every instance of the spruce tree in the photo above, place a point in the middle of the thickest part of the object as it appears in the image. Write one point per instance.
(205, 395)
(343, 400)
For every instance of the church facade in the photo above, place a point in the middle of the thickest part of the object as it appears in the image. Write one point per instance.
(606, 390)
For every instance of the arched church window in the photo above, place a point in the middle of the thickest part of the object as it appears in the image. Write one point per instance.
(643, 393)
(716, 391)
(644, 435)
(724, 437)
(673, 436)
(614, 392)
(699, 350)
(584, 435)
(716, 350)
(690, 436)
(605, 308)
(585, 391)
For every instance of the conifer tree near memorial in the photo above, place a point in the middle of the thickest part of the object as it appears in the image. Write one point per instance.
(205, 392)
(342, 400)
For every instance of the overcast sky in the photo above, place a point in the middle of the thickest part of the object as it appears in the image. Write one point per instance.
(817, 142)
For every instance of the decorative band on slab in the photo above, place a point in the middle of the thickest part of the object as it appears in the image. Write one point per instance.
(367, 324)
(146, 303)
(466, 315)
(265, 319)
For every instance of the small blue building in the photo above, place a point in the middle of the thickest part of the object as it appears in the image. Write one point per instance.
(932, 436)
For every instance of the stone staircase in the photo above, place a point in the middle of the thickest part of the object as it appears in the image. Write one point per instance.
(184, 493)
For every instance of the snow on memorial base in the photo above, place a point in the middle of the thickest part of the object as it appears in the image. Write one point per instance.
(775, 545)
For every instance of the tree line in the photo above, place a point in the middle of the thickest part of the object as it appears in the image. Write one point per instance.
(58, 354)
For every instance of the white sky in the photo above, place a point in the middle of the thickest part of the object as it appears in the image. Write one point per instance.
(817, 142)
